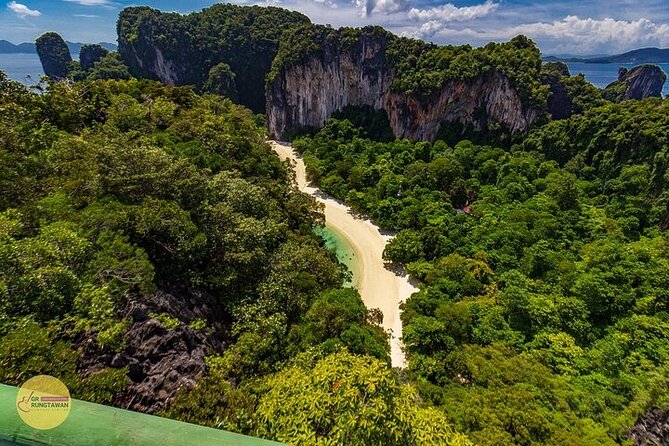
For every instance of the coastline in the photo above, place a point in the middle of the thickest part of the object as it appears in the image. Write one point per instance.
(378, 286)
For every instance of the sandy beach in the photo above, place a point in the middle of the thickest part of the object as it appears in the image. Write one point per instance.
(379, 287)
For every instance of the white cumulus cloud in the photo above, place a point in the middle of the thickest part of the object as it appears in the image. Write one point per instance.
(570, 34)
(22, 11)
(592, 35)
(448, 12)
(91, 2)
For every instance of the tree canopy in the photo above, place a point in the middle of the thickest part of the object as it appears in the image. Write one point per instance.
(113, 193)
(542, 311)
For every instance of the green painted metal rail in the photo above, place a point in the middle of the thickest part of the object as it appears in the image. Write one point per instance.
(96, 425)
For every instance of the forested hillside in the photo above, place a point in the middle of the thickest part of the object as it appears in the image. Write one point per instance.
(155, 254)
(543, 311)
(226, 49)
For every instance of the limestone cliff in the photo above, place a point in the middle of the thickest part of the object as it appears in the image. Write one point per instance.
(183, 49)
(644, 82)
(476, 103)
(305, 94)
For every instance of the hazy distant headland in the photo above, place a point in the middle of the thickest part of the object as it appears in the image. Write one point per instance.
(7, 47)
(639, 56)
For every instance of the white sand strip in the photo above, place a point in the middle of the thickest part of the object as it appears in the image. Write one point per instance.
(379, 287)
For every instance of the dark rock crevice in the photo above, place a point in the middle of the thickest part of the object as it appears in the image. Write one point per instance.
(651, 429)
(160, 359)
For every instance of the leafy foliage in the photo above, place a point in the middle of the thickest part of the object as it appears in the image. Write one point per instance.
(113, 190)
(420, 68)
(542, 315)
(90, 54)
(347, 399)
(423, 68)
(109, 67)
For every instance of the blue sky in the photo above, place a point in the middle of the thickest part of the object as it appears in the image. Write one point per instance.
(559, 27)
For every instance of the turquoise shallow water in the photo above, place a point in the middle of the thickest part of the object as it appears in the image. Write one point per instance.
(345, 252)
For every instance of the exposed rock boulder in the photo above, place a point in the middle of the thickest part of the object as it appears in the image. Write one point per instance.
(160, 358)
(651, 429)
(641, 82)
(54, 55)
(90, 54)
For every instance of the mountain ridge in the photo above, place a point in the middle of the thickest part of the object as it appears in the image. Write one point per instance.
(638, 56)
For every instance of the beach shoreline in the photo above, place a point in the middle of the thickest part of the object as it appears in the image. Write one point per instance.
(378, 286)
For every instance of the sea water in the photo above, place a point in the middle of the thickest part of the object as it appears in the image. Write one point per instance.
(25, 68)
(344, 251)
(602, 74)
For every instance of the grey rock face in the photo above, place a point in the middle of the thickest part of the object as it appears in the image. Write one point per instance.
(651, 429)
(160, 360)
(644, 82)
(306, 94)
(641, 82)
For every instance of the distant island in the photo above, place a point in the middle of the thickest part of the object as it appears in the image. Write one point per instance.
(640, 56)
(7, 47)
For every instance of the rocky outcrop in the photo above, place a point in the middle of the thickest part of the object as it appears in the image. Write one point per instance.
(306, 94)
(486, 99)
(644, 82)
(651, 429)
(160, 359)
(641, 82)
(54, 55)
(182, 49)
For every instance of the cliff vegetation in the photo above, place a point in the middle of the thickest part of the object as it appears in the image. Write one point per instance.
(182, 50)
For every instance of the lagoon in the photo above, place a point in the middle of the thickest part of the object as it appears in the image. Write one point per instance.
(345, 252)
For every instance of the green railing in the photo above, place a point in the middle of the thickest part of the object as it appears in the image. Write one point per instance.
(96, 425)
